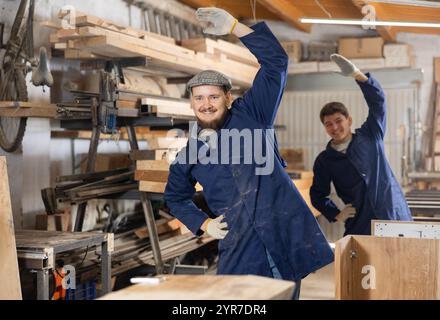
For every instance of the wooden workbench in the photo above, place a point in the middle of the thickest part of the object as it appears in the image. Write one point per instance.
(208, 287)
(36, 250)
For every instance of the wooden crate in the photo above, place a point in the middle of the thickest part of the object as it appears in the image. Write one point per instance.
(383, 268)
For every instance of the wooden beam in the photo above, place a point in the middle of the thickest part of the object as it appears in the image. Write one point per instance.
(38, 112)
(288, 12)
(151, 175)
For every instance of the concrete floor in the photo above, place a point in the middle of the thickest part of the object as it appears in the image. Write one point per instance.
(319, 285)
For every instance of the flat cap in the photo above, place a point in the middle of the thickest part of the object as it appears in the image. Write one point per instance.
(210, 78)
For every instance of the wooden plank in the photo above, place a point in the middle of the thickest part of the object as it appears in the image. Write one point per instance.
(151, 186)
(142, 154)
(162, 227)
(55, 222)
(151, 175)
(25, 104)
(81, 19)
(167, 143)
(159, 187)
(79, 54)
(128, 104)
(72, 134)
(221, 47)
(37, 112)
(146, 41)
(387, 268)
(343, 265)
(9, 274)
(169, 107)
(208, 287)
(157, 165)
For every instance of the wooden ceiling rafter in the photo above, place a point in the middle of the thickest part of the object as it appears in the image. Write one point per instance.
(288, 11)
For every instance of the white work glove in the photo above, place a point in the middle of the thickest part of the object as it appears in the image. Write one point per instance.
(215, 21)
(347, 67)
(217, 229)
(348, 212)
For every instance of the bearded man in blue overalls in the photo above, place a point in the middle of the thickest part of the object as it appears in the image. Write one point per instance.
(264, 226)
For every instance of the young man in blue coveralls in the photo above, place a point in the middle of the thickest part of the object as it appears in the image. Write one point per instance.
(264, 226)
(356, 162)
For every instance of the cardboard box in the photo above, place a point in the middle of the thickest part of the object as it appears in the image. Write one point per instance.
(398, 62)
(398, 55)
(303, 67)
(397, 50)
(293, 49)
(361, 47)
(437, 69)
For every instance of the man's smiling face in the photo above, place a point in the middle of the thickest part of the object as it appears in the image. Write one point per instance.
(210, 105)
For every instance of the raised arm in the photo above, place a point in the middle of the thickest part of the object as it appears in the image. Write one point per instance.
(263, 98)
(373, 94)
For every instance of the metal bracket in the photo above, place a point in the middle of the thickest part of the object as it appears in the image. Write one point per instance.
(353, 254)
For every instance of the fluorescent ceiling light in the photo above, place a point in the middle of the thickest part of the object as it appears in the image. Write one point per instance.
(371, 22)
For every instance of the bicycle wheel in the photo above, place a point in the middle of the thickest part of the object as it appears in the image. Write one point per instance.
(12, 128)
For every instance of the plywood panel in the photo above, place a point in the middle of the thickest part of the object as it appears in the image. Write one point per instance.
(208, 287)
(387, 268)
(10, 288)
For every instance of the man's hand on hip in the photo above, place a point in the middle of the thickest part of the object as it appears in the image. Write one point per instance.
(348, 212)
(215, 227)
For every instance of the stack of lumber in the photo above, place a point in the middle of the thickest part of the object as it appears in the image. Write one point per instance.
(78, 188)
(169, 107)
(93, 38)
(153, 175)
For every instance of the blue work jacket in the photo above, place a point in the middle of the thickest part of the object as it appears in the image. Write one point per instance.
(380, 196)
(263, 211)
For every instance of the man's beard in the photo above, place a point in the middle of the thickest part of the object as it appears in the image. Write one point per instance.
(214, 124)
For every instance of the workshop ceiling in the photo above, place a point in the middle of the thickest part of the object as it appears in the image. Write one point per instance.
(292, 10)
